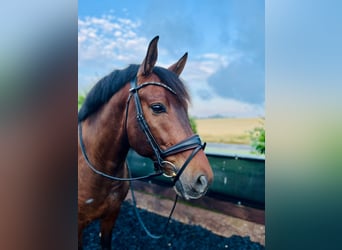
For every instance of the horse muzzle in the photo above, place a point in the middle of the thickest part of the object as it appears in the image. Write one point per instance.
(192, 190)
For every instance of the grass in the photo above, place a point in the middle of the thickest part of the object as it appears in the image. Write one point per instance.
(227, 130)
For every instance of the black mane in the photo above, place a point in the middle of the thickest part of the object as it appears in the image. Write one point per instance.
(105, 88)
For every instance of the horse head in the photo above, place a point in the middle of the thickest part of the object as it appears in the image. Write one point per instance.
(158, 125)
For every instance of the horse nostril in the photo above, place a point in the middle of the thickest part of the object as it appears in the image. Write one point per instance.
(201, 184)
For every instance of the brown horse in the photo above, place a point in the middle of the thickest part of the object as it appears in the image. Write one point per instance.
(155, 126)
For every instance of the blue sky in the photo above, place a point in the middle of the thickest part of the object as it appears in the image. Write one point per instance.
(225, 71)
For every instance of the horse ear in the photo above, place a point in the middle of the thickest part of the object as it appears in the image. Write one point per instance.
(179, 66)
(151, 58)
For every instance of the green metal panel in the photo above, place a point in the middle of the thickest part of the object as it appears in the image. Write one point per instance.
(235, 176)
(239, 177)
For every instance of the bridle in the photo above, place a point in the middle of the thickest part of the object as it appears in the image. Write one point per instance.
(193, 142)
(160, 165)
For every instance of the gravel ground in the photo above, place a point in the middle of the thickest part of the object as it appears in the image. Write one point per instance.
(128, 234)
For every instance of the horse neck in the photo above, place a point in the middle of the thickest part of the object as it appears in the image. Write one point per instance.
(104, 133)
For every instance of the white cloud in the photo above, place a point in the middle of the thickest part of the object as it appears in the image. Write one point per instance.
(109, 39)
(224, 107)
(196, 74)
(222, 59)
(200, 68)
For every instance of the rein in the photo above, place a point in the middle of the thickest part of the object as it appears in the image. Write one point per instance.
(193, 142)
(92, 167)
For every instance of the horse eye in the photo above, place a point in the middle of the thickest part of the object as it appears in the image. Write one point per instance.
(158, 108)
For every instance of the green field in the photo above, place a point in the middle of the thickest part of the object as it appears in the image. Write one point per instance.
(227, 130)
